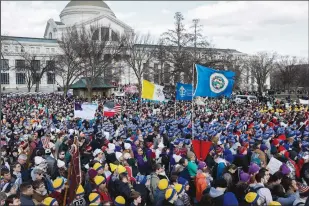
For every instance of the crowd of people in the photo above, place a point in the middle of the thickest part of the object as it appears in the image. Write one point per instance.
(145, 155)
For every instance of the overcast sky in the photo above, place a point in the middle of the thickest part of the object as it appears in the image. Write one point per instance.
(246, 26)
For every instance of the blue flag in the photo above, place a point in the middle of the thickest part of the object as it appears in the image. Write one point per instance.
(184, 91)
(213, 83)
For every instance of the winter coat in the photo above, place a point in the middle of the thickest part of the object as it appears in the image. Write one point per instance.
(242, 161)
(38, 198)
(201, 185)
(26, 200)
(159, 197)
(142, 164)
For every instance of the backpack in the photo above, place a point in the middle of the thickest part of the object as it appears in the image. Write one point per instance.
(251, 189)
(151, 192)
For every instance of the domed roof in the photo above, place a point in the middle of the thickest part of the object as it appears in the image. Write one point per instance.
(98, 3)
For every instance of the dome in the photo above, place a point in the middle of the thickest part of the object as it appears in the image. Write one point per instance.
(87, 3)
(77, 11)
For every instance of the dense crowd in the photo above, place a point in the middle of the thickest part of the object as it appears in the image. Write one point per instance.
(145, 155)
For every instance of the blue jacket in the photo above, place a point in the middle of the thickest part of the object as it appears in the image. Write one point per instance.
(26, 200)
(159, 197)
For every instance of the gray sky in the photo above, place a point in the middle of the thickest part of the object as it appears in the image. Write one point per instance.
(247, 26)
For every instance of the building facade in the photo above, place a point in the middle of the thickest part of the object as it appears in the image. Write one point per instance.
(19, 51)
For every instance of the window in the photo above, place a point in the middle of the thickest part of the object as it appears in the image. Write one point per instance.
(20, 65)
(6, 48)
(32, 50)
(104, 34)
(156, 73)
(50, 65)
(38, 50)
(47, 50)
(35, 64)
(16, 49)
(22, 49)
(114, 36)
(50, 78)
(95, 35)
(20, 78)
(50, 35)
(4, 64)
(52, 50)
(5, 78)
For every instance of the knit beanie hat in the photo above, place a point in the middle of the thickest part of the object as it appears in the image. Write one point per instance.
(253, 168)
(229, 199)
(179, 188)
(58, 183)
(97, 166)
(92, 173)
(120, 201)
(285, 170)
(201, 165)
(274, 203)
(169, 194)
(244, 177)
(49, 201)
(99, 180)
(80, 190)
(251, 197)
(163, 184)
(93, 197)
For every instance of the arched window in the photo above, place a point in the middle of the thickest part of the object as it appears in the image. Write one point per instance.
(104, 34)
(50, 35)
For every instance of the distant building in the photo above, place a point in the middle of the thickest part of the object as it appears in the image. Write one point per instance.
(43, 49)
(100, 88)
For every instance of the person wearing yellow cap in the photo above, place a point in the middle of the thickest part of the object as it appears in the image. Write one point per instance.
(181, 192)
(99, 168)
(274, 203)
(58, 185)
(94, 198)
(159, 194)
(120, 201)
(49, 201)
(79, 199)
(171, 197)
(101, 189)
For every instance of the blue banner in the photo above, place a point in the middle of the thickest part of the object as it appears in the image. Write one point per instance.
(184, 91)
(213, 83)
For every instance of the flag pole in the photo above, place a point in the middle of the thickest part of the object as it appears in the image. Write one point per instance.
(192, 102)
(175, 100)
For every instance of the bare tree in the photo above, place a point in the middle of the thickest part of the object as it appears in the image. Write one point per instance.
(260, 66)
(288, 72)
(176, 42)
(161, 57)
(68, 61)
(139, 51)
(36, 67)
(95, 52)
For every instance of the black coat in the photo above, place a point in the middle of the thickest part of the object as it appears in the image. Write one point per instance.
(242, 161)
(143, 190)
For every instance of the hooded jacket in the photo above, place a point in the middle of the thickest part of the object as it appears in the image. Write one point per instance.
(201, 185)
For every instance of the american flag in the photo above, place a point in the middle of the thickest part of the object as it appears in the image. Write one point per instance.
(110, 109)
(117, 108)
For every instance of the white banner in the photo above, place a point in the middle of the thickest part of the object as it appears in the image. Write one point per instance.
(274, 165)
(119, 94)
(302, 101)
(87, 111)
